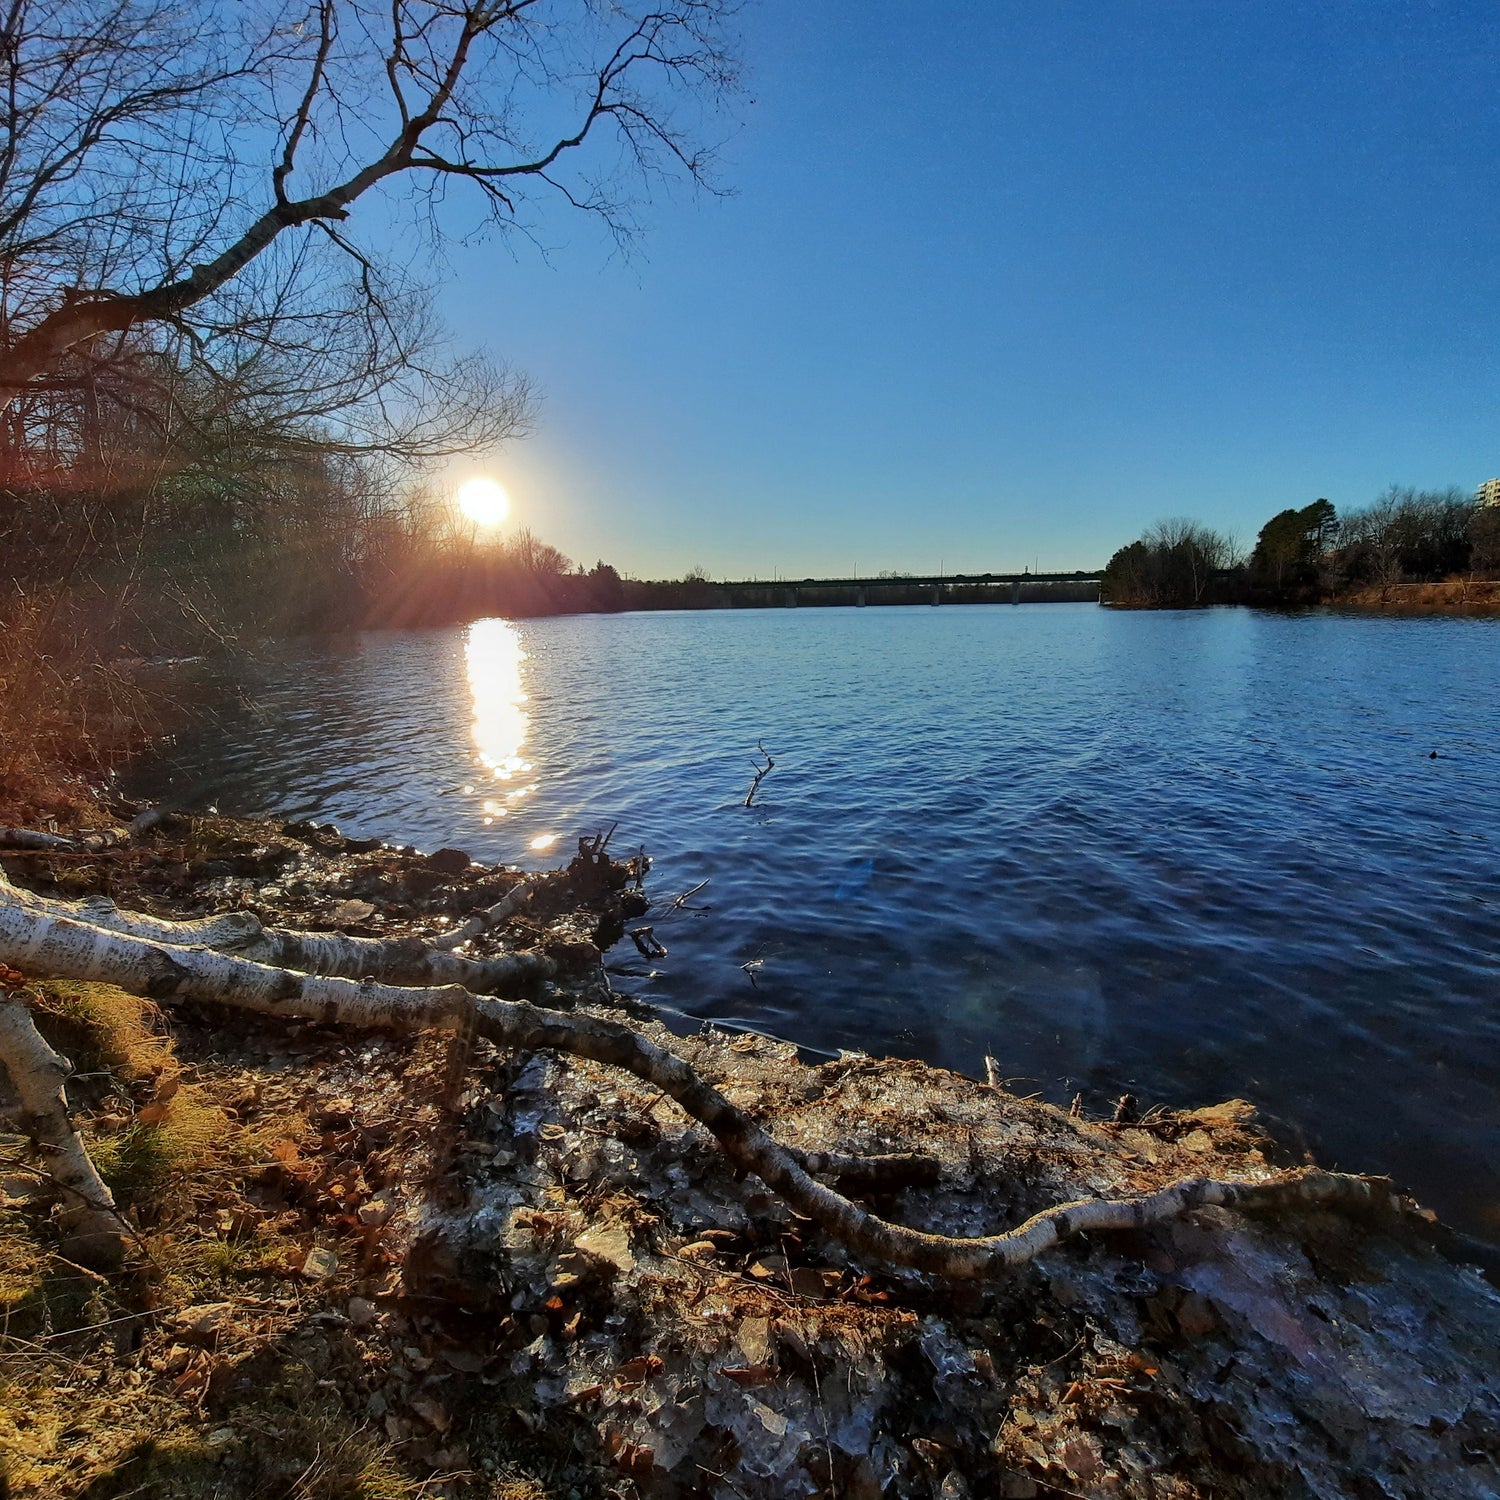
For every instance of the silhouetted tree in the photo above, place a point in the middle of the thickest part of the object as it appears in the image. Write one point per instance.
(1289, 550)
(1177, 564)
(192, 166)
(1484, 538)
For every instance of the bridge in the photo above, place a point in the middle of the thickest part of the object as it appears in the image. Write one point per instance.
(950, 588)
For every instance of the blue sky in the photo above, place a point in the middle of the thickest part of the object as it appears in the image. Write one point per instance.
(1001, 283)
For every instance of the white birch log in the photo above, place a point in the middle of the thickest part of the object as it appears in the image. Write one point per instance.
(507, 906)
(33, 838)
(45, 944)
(241, 933)
(38, 1075)
(89, 842)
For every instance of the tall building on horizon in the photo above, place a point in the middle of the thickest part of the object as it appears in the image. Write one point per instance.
(1488, 493)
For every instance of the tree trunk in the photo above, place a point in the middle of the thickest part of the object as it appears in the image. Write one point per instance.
(403, 961)
(36, 937)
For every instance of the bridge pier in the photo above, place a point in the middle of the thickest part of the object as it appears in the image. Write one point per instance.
(791, 598)
(860, 597)
(1015, 591)
(937, 593)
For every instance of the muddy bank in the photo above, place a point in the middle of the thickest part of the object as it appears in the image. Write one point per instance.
(382, 1266)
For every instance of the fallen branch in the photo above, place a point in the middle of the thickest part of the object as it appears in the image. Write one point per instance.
(406, 961)
(681, 900)
(647, 942)
(84, 843)
(52, 944)
(507, 906)
(34, 838)
(517, 1024)
(761, 772)
(38, 1074)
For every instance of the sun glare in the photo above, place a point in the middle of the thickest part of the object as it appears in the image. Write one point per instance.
(483, 501)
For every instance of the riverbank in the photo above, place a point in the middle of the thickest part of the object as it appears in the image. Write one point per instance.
(370, 1266)
(1455, 597)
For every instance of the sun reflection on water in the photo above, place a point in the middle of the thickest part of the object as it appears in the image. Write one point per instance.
(494, 656)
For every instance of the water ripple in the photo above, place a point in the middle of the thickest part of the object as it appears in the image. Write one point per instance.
(1191, 855)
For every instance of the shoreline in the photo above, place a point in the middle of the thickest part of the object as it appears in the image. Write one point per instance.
(1467, 600)
(566, 1270)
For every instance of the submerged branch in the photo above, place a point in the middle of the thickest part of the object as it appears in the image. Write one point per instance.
(761, 772)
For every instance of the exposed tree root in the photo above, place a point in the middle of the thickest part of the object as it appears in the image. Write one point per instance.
(751, 1149)
(37, 937)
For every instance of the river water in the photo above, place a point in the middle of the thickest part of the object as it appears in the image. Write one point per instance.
(1189, 855)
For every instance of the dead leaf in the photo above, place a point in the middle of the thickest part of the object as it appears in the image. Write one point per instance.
(465, 1361)
(636, 1371)
(431, 1413)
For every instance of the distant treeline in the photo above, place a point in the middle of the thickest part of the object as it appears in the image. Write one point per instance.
(1311, 555)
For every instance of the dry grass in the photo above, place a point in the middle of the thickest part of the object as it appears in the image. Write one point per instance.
(103, 1028)
(98, 1399)
(68, 704)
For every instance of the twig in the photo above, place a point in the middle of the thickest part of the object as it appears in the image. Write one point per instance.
(761, 772)
(646, 940)
(678, 903)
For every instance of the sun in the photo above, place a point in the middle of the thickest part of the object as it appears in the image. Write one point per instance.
(483, 501)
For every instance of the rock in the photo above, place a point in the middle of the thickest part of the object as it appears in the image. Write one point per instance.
(431, 1413)
(449, 861)
(753, 1340)
(608, 1243)
(572, 956)
(99, 1250)
(204, 1324)
(362, 1312)
(422, 882)
(320, 1263)
(1195, 1316)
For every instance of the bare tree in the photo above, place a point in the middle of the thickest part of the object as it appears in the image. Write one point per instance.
(151, 151)
(1190, 555)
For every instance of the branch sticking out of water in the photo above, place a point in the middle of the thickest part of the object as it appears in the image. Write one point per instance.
(761, 772)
